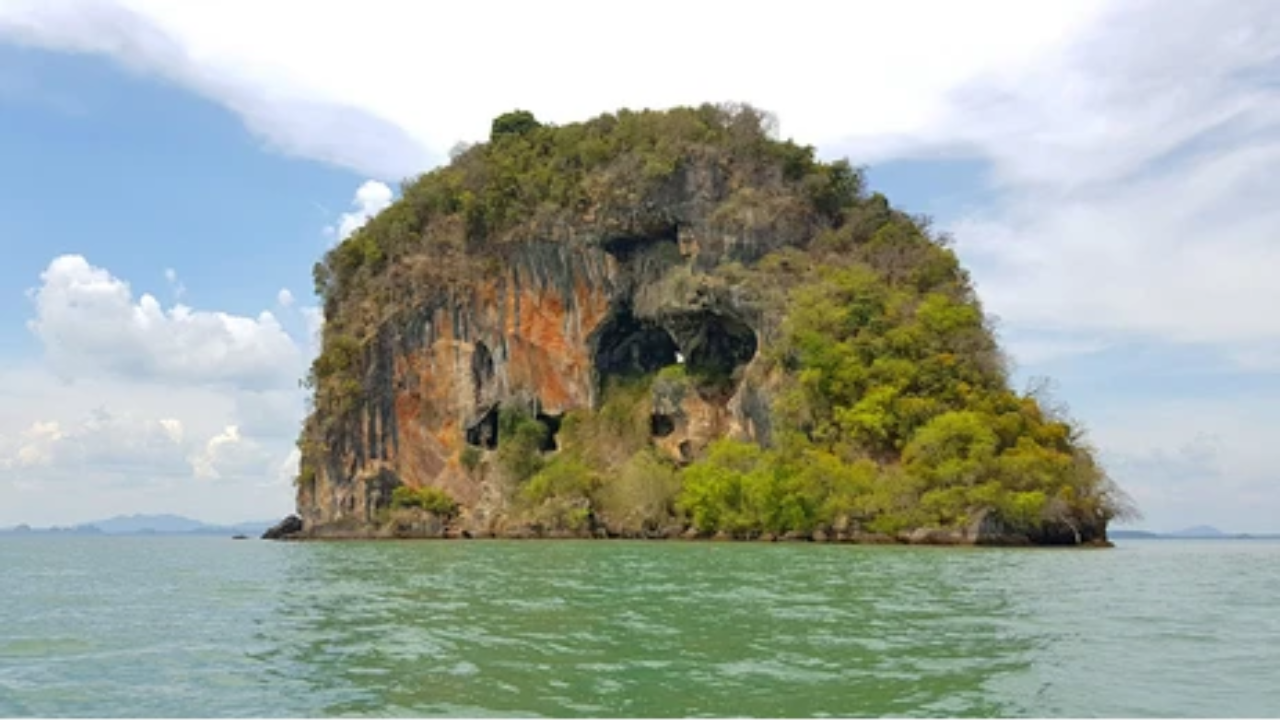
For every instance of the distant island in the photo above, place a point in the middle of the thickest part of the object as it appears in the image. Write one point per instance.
(659, 324)
(1198, 532)
(144, 525)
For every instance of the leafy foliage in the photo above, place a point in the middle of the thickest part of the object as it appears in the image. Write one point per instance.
(520, 441)
(471, 457)
(433, 500)
(517, 122)
(896, 411)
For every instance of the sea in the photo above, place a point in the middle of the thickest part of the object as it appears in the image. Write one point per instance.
(212, 627)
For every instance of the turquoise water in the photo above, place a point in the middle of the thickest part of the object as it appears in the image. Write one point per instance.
(213, 627)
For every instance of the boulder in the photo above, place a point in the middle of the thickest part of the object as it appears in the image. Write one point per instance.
(291, 525)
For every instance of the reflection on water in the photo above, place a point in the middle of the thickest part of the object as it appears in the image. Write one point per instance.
(182, 627)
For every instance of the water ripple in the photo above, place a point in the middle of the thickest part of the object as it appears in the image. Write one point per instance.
(181, 627)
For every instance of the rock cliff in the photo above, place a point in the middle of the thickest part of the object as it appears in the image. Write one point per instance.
(572, 331)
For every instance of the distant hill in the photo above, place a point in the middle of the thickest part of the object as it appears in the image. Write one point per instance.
(1200, 531)
(128, 524)
(1131, 535)
(148, 525)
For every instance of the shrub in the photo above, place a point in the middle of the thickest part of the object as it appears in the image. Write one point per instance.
(520, 441)
(641, 494)
(471, 457)
(564, 477)
(433, 500)
(517, 122)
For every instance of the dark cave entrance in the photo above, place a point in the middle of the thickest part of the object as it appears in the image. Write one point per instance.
(715, 346)
(661, 425)
(628, 247)
(628, 348)
(483, 433)
(552, 425)
(718, 346)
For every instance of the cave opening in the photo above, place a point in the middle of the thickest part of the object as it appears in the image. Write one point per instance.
(627, 347)
(483, 433)
(626, 247)
(552, 424)
(718, 346)
(661, 425)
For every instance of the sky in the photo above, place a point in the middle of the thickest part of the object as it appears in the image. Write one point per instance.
(172, 170)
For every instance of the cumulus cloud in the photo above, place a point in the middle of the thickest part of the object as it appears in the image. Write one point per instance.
(89, 322)
(36, 445)
(230, 454)
(108, 446)
(170, 409)
(284, 298)
(371, 198)
(101, 441)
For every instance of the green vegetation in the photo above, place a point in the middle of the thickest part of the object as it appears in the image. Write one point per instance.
(433, 500)
(896, 411)
(520, 441)
(890, 404)
(519, 122)
(604, 467)
(471, 457)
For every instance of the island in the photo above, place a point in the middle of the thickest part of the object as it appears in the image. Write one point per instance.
(671, 324)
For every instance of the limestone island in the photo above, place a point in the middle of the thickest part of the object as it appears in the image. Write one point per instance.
(665, 324)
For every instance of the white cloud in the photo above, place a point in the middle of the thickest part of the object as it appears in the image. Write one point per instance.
(104, 446)
(89, 323)
(284, 298)
(1089, 113)
(389, 103)
(173, 428)
(371, 198)
(287, 107)
(36, 445)
(1136, 183)
(230, 454)
(158, 400)
(1182, 256)
(99, 441)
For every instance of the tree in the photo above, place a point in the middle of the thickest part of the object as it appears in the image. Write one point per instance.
(516, 122)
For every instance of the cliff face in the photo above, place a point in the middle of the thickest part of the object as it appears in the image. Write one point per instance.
(669, 324)
(545, 333)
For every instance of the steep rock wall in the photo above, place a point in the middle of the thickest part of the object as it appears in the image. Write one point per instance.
(544, 333)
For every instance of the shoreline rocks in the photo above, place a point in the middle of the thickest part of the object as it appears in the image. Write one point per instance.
(287, 527)
(292, 528)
